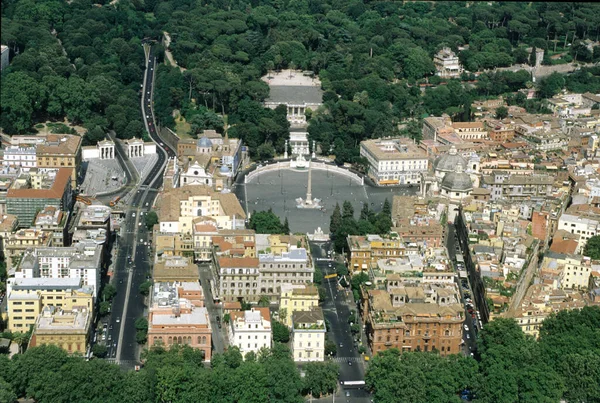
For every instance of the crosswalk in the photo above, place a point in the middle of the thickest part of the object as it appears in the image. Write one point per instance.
(346, 359)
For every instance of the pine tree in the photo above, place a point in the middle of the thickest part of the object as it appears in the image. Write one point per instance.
(364, 212)
(387, 208)
(347, 210)
(336, 219)
(286, 227)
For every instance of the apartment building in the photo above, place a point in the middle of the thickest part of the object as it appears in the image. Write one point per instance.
(20, 241)
(308, 335)
(250, 330)
(20, 157)
(8, 224)
(428, 232)
(178, 317)
(43, 188)
(53, 221)
(506, 186)
(82, 261)
(470, 130)
(174, 268)
(413, 318)
(28, 296)
(178, 208)
(583, 226)
(394, 161)
(293, 267)
(236, 277)
(364, 251)
(577, 271)
(296, 298)
(60, 151)
(69, 330)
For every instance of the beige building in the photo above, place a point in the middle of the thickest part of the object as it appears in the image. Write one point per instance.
(174, 268)
(8, 224)
(54, 221)
(69, 330)
(60, 151)
(18, 242)
(179, 208)
(293, 267)
(308, 335)
(470, 130)
(28, 296)
(394, 161)
(297, 298)
(237, 278)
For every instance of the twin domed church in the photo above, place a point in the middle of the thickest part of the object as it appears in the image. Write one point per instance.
(454, 177)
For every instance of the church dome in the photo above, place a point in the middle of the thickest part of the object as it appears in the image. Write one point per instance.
(449, 161)
(457, 181)
(204, 142)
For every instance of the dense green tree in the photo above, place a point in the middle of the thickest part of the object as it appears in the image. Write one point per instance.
(336, 219)
(321, 378)
(281, 334)
(265, 222)
(592, 248)
(501, 112)
(151, 219)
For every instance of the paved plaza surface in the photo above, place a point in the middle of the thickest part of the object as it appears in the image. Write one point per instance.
(279, 190)
(144, 164)
(99, 174)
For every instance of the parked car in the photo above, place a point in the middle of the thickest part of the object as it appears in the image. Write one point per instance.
(466, 327)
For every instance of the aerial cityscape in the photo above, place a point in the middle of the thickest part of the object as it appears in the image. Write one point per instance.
(280, 201)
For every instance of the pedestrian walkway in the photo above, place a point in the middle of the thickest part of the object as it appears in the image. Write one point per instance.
(346, 359)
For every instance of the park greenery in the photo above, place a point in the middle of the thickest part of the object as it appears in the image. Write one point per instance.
(342, 222)
(83, 61)
(48, 373)
(561, 365)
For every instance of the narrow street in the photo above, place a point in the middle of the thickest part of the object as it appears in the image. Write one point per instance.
(336, 308)
(214, 310)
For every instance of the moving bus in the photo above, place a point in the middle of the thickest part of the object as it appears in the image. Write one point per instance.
(353, 384)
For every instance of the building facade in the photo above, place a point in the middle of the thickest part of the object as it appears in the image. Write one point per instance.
(297, 298)
(308, 335)
(69, 330)
(250, 330)
(293, 267)
(394, 161)
(178, 317)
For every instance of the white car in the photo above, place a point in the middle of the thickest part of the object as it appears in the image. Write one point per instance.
(133, 215)
(466, 327)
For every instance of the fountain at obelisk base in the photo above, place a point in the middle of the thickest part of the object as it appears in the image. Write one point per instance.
(309, 202)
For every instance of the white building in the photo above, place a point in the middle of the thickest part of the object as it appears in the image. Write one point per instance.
(195, 175)
(104, 150)
(394, 161)
(20, 157)
(299, 143)
(250, 330)
(4, 57)
(582, 226)
(80, 261)
(447, 64)
(308, 335)
(293, 267)
(137, 148)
